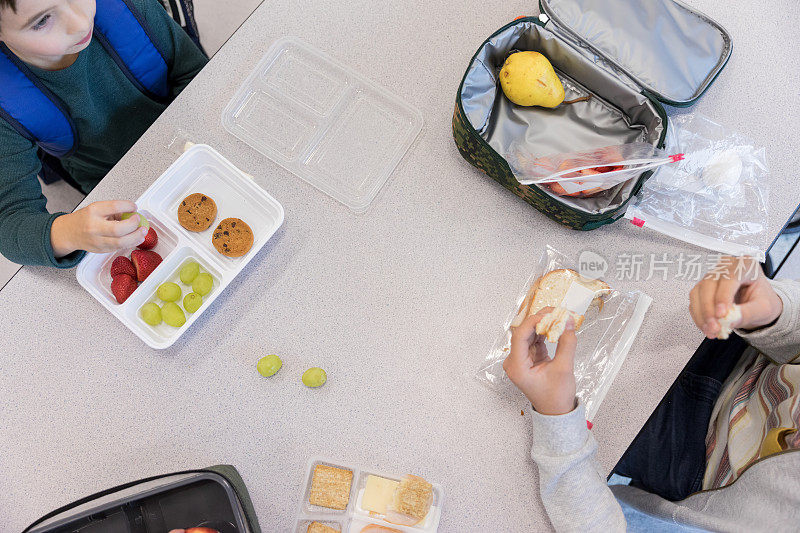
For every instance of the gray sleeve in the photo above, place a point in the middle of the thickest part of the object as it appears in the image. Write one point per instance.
(574, 493)
(780, 341)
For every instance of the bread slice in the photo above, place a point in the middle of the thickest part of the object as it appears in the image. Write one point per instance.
(550, 289)
(522, 312)
(553, 324)
(733, 315)
(411, 503)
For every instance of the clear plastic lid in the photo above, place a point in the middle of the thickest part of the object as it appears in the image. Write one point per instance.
(323, 122)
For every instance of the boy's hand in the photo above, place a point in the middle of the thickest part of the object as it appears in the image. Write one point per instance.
(549, 385)
(97, 228)
(737, 280)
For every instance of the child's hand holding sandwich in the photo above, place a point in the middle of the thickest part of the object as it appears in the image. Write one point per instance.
(573, 492)
(548, 384)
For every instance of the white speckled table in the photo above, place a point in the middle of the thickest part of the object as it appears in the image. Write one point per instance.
(399, 305)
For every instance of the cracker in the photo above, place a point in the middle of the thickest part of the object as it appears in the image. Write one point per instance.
(413, 498)
(330, 487)
(316, 527)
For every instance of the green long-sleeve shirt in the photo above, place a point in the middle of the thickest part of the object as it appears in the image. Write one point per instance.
(110, 114)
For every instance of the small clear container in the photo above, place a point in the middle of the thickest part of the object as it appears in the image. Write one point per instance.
(323, 122)
(354, 516)
(203, 170)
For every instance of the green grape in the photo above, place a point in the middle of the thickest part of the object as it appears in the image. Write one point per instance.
(314, 377)
(203, 284)
(192, 302)
(189, 271)
(173, 315)
(143, 222)
(169, 292)
(151, 313)
(269, 365)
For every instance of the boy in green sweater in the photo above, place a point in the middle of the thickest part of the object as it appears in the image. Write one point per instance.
(54, 38)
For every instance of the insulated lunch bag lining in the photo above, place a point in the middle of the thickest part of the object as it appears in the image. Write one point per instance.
(617, 113)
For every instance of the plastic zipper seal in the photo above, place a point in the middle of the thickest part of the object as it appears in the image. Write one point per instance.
(639, 219)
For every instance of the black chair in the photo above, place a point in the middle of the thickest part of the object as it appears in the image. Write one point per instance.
(182, 12)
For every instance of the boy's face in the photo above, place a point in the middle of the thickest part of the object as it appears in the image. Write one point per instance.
(47, 29)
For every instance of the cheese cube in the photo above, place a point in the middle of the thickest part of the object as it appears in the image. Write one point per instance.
(377, 494)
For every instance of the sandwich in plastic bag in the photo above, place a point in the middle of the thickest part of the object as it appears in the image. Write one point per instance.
(716, 197)
(606, 324)
(588, 173)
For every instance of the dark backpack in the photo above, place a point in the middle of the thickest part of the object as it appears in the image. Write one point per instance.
(182, 12)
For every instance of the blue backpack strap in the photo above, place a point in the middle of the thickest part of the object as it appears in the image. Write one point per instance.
(32, 109)
(122, 31)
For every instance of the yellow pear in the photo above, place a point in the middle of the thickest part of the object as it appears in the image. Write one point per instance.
(528, 79)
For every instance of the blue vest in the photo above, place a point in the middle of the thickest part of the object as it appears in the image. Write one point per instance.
(40, 116)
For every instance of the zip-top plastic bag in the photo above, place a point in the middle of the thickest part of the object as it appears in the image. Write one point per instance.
(587, 173)
(716, 198)
(605, 334)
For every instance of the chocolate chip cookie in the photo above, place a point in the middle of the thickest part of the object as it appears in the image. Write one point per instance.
(197, 212)
(232, 237)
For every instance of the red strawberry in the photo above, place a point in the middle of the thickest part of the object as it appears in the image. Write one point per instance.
(150, 240)
(123, 286)
(145, 261)
(122, 265)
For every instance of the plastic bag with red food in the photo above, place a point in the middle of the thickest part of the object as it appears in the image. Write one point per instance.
(588, 173)
(717, 198)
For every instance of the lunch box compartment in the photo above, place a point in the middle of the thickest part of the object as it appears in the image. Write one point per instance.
(629, 56)
(286, 133)
(170, 272)
(307, 79)
(360, 512)
(302, 525)
(310, 509)
(363, 120)
(101, 271)
(215, 497)
(206, 173)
